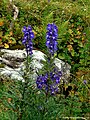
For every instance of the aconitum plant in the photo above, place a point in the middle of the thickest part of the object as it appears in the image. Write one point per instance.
(27, 39)
(51, 38)
(49, 82)
(51, 79)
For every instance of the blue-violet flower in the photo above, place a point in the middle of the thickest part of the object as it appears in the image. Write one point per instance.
(51, 37)
(49, 82)
(27, 39)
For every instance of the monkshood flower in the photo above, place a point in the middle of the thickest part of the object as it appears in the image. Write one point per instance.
(42, 81)
(53, 89)
(49, 82)
(51, 37)
(56, 77)
(27, 39)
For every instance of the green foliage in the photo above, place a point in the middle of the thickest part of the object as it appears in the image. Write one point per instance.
(73, 21)
(35, 106)
(71, 17)
(74, 45)
(22, 100)
(6, 34)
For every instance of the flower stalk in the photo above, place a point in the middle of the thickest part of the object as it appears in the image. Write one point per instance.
(51, 78)
(27, 42)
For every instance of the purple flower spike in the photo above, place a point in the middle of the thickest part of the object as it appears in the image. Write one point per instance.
(41, 81)
(27, 39)
(52, 86)
(51, 37)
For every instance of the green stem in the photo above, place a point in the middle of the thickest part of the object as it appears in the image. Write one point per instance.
(24, 86)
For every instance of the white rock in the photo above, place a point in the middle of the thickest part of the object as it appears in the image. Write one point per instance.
(17, 72)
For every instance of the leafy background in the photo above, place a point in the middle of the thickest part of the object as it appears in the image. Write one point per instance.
(73, 20)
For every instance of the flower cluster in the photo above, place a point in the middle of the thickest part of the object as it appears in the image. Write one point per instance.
(27, 39)
(42, 81)
(51, 37)
(49, 82)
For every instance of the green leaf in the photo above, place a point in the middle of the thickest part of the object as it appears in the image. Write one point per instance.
(63, 27)
(72, 53)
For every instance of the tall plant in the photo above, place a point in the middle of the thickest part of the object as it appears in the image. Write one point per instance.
(50, 78)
